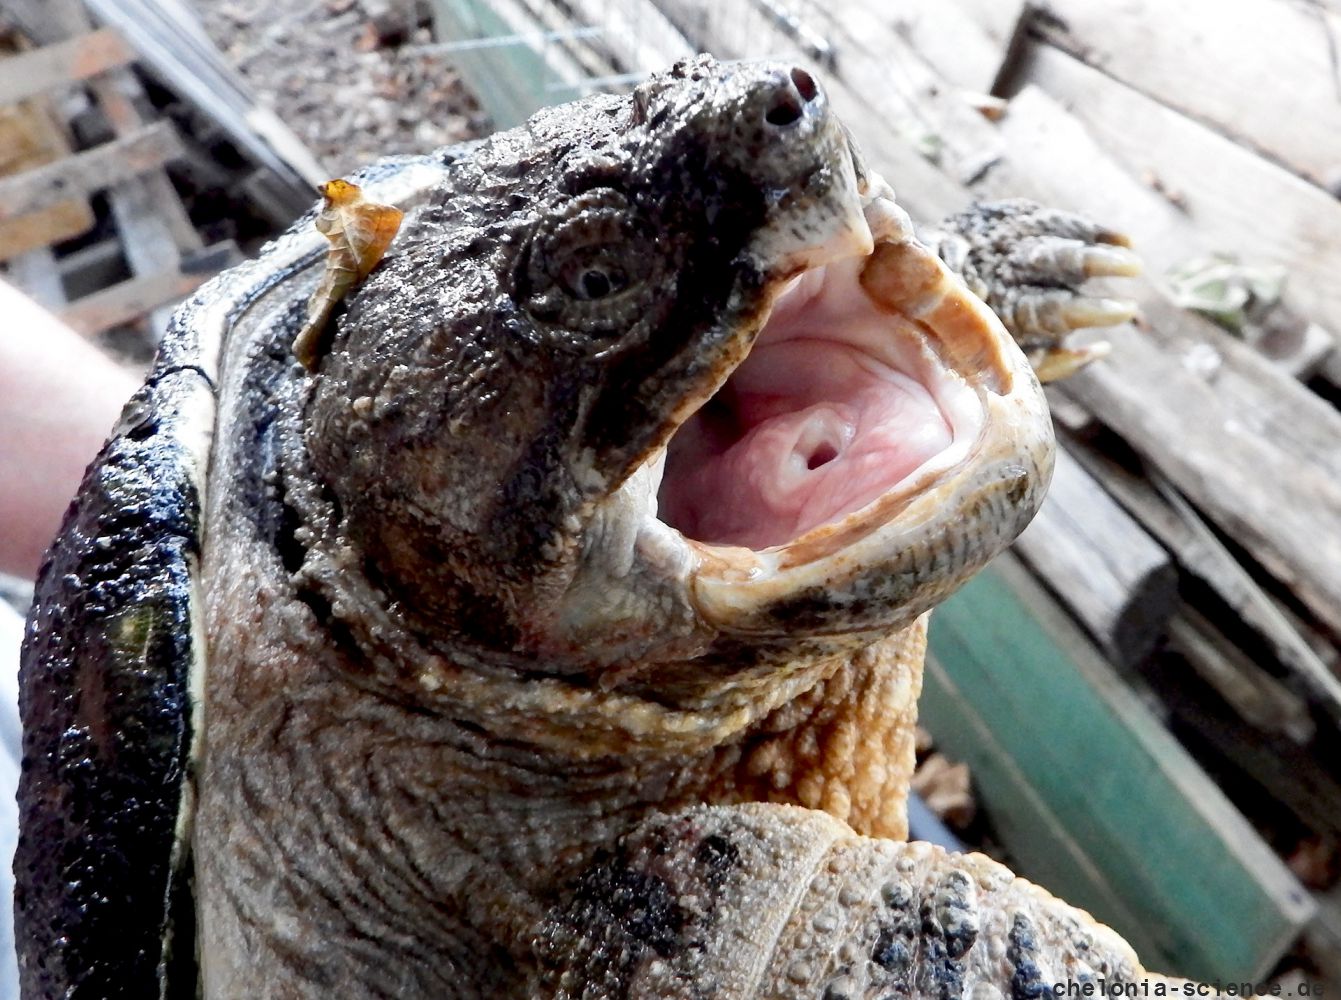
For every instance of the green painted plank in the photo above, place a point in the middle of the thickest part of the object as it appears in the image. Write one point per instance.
(1038, 841)
(1171, 862)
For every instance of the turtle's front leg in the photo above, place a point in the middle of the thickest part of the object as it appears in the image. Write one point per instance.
(1028, 262)
(753, 901)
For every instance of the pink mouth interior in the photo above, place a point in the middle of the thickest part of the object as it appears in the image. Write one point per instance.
(817, 422)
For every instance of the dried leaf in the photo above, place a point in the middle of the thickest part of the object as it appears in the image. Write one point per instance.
(945, 788)
(360, 232)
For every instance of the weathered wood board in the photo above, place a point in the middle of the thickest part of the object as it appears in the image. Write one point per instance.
(30, 138)
(967, 42)
(29, 73)
(1229, 200)
(1261, 71)
(90, 171)
(31, 135)
(1250, 446)
(129, 300)
(1259, 699)
(1101, 564)
(1202, 555)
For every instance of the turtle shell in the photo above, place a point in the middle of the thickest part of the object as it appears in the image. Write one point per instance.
(114, 656)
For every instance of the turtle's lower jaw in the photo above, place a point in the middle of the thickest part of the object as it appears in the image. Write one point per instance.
(881, 441)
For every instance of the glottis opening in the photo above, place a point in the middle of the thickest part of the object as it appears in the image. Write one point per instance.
(840, 400)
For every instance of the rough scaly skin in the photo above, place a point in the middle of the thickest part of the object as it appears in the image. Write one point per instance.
(463, 737)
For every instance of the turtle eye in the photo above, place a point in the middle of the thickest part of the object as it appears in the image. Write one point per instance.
(595, 285)
(590, 266)
(588, 280)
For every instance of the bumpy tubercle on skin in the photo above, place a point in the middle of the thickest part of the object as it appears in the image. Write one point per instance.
(843, 747)
(846, 746)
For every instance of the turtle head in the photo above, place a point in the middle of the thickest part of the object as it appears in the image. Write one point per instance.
(659, 373)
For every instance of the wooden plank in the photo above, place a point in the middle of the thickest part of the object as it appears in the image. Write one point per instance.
(92, 170)
(129, 300)
(154, 226)
(1200, 553)
(92, 267)
(1226, 64)
(1000, 20)
(967, 42)
(1288, 515)
(1300, 780)
(42, 228)
(35, 71)
(168, 38)
(1036, 838)
(30, 136)
(909, 97)
(37, 275)
(1251, 447)
(1116, 580)
(116, 94)
(1213, 897)
(1324, 939)
(1259, 699)
(1287, 221)
(47, 22)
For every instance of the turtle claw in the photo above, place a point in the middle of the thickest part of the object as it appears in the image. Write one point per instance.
(1108, 261)
(1028, 263)
(1053, 364)
(1082, 312)
(1054, 261)
(1041, 317)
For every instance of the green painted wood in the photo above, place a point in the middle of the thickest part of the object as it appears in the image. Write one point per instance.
(1039, 844)
(1094, 797)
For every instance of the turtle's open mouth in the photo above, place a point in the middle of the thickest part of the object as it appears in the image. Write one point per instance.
(870, 437)
(855, 387)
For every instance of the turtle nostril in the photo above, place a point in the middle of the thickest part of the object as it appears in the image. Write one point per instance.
(789, 99)
(805, 84)
(785, 108)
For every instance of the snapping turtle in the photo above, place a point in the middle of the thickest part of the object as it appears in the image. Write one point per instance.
(559, 632)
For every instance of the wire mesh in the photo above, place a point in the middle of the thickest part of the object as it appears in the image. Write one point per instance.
(528, 53)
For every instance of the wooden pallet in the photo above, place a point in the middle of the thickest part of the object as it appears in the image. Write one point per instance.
(45, 200)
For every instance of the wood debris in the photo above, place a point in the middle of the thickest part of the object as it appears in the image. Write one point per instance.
(944, 786)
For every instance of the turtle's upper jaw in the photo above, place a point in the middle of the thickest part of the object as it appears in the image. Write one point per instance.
(882, 440)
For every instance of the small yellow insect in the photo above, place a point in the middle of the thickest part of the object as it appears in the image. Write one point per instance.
(360, 232)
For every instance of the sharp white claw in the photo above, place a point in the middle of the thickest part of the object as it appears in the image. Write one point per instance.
(1082, 312)
(1111, 261)
(1060, 362)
